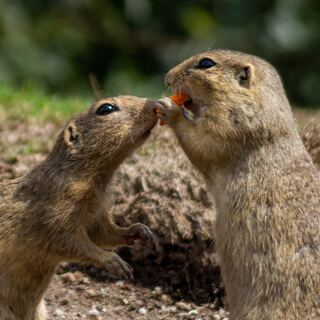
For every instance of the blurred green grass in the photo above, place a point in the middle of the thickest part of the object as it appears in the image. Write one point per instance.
(31, 103)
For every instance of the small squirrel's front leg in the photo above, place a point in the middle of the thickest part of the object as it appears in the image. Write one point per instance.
(104, 233)
(80, 248)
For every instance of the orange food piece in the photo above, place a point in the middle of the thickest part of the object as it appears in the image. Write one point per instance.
(179, 98)
(161, 122)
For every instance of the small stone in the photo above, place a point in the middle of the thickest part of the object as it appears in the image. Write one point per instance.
(94, 313)
(221, 312)
(73, 277)
(120, 283)
(158, 290)
(139, 303)
(85, 280)
(143, 311)
(99, 308)
(193, 312)
(59, 313)
(171, 309)
(166, 299)
(125, 301)
(68, 277)
(183, 306)
(92, 293)
(62, 267)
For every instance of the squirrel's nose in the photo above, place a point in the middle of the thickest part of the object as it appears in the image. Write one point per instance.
(151, 105)
(168, 81)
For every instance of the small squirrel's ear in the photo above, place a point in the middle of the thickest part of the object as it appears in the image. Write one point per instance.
(246, 75)
(96, 87)
(72, 137)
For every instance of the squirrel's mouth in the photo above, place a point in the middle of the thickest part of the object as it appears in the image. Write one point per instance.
(189, 105)
(190, 108)
(148, 130)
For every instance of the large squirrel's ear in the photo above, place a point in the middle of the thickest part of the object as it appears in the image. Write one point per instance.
(72, 137)
(245, 76)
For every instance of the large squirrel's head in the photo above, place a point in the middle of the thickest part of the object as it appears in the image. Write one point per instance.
(237, 102)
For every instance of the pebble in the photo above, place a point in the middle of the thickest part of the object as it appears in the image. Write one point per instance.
(59, 313)
(72, 277)
(143, 311)
(193, 312)
(183, 306)
(157, 290)
(166, 299)
(94, 313)
(120, 283)
(92, 293)
(68, 277)
(171, 309)
(99, 308)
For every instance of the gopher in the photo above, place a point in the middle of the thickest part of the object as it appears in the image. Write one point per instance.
(237, 128)
(59, 211)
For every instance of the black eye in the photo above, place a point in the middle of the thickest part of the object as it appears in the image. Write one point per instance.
(205, 63)
(105, 109)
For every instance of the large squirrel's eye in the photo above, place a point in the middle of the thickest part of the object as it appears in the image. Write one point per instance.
(105, 109)
(205, 63)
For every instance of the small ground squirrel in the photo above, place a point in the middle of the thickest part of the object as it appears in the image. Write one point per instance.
(243, 139)
(59, 211)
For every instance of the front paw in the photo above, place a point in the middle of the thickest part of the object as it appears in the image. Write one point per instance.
(167, 110)
(113, 263)
(139, 231)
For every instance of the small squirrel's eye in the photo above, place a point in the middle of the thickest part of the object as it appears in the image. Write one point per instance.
(205, 63)
(105, 109)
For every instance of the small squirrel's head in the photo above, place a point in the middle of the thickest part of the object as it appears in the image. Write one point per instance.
(237, 100)
(111, 129)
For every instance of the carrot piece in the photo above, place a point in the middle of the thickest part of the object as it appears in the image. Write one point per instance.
(180, 98)
(161, 122)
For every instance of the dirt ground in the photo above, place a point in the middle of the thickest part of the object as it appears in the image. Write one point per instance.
(177, 276)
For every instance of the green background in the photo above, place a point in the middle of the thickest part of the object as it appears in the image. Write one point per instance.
(130, 44)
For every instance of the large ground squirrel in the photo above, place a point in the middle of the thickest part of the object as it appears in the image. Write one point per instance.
(238, 130)
(59, 211)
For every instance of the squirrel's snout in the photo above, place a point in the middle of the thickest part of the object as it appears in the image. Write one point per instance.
(151, 106)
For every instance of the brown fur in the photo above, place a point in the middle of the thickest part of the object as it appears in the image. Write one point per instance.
(59, 211)
(267, 190)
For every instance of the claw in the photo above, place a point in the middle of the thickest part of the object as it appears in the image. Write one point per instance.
(165, 108)
(118, 267)
(139, 231)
